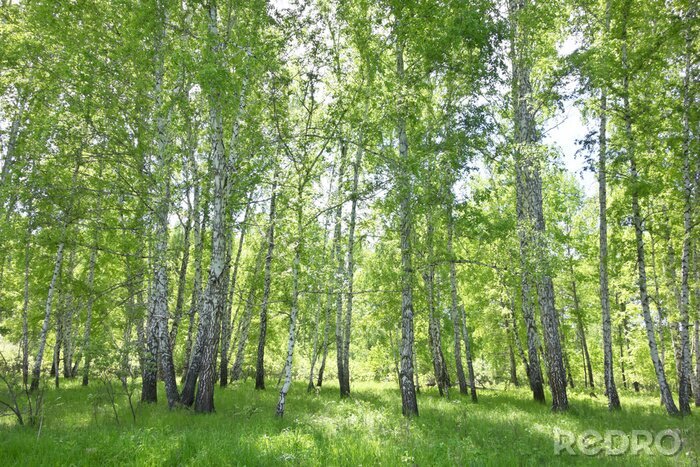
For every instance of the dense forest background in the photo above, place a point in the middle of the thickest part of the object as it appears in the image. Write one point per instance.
(202, 192)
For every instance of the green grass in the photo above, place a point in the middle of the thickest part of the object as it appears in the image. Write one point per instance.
(504, 428)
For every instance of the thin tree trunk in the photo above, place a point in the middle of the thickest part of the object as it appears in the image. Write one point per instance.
(409, 403)
(25, 303)
(260, 363)
(434, 338)
(350, 270)
(247, 316)
(295, 308)
(87, 351)
(468, 354)
(666, 396)
(227, 322)
(608, 364)
(454, 310)
(685, 369)
(340, 274)
(182, 275)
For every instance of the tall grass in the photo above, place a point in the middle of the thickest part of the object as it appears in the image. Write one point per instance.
(504, 428)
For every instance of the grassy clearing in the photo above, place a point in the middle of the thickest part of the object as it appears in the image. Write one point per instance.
(504, 428)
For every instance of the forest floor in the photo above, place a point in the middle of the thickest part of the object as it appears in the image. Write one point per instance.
(504, 428)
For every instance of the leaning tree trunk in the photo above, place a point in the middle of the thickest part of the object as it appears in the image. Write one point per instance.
(666, 396)
(270, 237)
(409, 403)
(36, 370)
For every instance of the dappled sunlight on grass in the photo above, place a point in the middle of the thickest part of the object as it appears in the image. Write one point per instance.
(320, 429)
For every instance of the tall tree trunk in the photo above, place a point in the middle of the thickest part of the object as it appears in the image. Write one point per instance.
(581, 328)
(666, 396)
(434, 337)
(409, 403)
(270, 237)
(36, 370)
(68, 311)
(454, 303)
(195, 302)
(340, 273)
(531, 220)
(182, 276)
(87, 351)
(159, 302)
(527, 179)
(468, 354)
(608, 364)
(227, 322)
(696, 273)
(350, 270)
(25, 303)
(247, 316)
(287, 372)
(688, 185)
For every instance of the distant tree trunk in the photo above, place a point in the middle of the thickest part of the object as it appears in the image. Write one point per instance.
(468, 354)
(581, 329)
(25, 303)
(434, 337)
(267, 280)
(657, 294)
(608, 364)
(565, 354)
(195, 303)
(182, 275)
(320, 307)
(454, 303)
(513, 369)
(36, 371)
(296, 264)
(666, 395)
(87, 351)
(227, 322)
(247, 316)
(409, 403)
(340, 274)
(326, 328)
(350, 270)
(68, 311)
